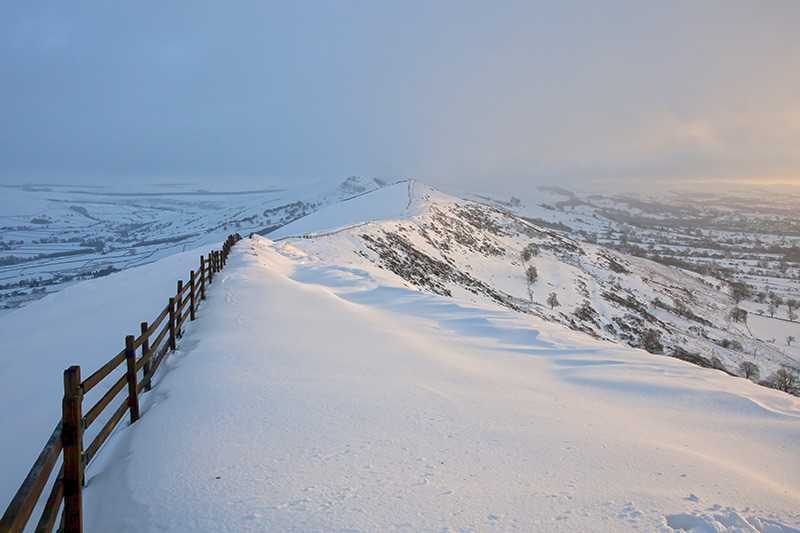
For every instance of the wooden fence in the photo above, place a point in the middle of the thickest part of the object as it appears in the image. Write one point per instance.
(155, 341)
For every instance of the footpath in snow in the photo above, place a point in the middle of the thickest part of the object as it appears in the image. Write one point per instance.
(310, 397)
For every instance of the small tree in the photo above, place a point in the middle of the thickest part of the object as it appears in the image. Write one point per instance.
(749, 370)
(771, 308)
(529, 252)
(790, 339)
(651, 341)
(791, 314)
(552, 301)
(740, 291)
(739, 315)
(786, 380)
(531, 275)
(731, 344)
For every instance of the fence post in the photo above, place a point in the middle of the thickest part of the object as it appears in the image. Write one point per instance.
(191, 295)
(202, 278)
(178, 308)
(145, 349)
(172, 323)
(72, 443)
(133, 395)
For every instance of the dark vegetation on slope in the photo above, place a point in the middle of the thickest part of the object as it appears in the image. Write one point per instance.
(462, 232)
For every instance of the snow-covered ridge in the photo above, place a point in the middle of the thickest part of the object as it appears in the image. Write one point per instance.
(450, 246)
(390, 202)
(328, 396)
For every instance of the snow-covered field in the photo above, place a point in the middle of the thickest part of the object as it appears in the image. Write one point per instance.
(52, 236)
(743, 233)
(312, 397)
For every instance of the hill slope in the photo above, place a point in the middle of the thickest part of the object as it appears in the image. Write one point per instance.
(312, 396)
(450, 246)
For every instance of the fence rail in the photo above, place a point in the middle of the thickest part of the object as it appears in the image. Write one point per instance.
(66, 440)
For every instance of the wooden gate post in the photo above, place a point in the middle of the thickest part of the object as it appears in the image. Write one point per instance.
(133, 395)
(178, 308)
(172, 323)
(202, 278)
(145, 349)
(72, 443)
(191, 295)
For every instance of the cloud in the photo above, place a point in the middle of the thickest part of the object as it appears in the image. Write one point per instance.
(457, 92)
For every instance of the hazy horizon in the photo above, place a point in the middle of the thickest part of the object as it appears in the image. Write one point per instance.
(455, 94)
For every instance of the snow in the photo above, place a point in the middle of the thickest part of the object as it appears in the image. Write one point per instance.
(312, 396)
(84, 324)
(776, 331)
(385, 203)
(318, 391)
(123, 226)
(438, 226)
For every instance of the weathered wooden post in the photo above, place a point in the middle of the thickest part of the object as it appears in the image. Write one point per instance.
(146, 348)
(210, 267)
(202, 278)
(133, 395)
(172, 323)
(72, 444)
(179, 308)
(191, 295)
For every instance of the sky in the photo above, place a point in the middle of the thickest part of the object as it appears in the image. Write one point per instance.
(468, 94)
